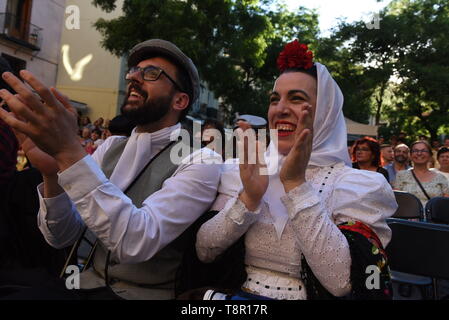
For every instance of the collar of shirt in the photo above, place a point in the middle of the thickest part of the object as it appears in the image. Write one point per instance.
(140, 148)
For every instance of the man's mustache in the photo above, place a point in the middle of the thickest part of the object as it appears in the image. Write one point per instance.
(138, 89)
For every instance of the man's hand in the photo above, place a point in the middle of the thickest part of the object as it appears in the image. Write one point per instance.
(49, 121)
(40, 160)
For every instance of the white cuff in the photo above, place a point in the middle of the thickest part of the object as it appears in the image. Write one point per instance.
(53, 207)
(238, 212)
(81, 178)
(300, 198)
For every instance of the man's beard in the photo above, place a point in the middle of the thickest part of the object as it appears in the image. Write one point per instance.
(400, 159)
(152, 110)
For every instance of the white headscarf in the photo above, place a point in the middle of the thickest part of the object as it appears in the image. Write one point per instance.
(329, 127)
(329, 143)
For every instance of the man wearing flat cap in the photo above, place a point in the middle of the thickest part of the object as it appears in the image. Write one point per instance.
(129, 193)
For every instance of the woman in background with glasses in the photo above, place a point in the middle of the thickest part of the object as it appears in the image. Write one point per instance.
(366, 156)
(420, 181)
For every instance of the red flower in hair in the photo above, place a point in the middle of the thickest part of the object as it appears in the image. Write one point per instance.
(295, 55)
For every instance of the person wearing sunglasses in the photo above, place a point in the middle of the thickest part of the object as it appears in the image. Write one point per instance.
(419, 180)
(130, 193)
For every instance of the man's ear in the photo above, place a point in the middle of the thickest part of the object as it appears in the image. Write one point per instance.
(181, 101)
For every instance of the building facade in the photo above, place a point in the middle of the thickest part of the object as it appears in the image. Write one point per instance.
(94, 77)
(30, 33)
(89, 74)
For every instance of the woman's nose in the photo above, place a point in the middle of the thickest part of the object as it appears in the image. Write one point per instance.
(283, 107)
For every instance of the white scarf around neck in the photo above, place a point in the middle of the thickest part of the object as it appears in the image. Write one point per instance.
(139, 149)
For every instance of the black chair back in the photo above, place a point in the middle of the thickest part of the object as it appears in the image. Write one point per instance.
(409, 206)
(419, 248)
(437, 210)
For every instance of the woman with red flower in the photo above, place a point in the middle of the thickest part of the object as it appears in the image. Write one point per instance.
(314, 224)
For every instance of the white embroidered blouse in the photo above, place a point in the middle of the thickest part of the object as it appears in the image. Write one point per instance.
(331, 195)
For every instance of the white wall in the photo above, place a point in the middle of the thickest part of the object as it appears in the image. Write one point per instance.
(48, 15)
(3, 5)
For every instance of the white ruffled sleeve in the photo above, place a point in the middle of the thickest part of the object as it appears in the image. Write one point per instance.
(364, 196)
(322, 243)
(220, 232)
(357, 196)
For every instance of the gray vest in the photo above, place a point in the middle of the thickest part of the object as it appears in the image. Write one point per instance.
(159, 272)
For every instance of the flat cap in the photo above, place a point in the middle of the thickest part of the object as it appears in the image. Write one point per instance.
(153, 47)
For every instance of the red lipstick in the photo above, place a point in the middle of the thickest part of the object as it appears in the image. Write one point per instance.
(285, 133)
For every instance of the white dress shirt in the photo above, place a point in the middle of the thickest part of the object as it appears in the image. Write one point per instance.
(132, 234)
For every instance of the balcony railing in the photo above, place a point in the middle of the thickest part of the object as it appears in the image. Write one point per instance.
(22, 32)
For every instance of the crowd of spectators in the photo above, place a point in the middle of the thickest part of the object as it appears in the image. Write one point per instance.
(419, 167)
(334, 229)
(93, 135)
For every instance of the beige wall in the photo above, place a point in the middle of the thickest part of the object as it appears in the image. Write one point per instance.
(98, 87)
(104, 100)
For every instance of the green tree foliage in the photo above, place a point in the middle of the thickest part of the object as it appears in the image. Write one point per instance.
(234, 43)
(372, 60)
(423, 62)
(401, 69)
(350, 75)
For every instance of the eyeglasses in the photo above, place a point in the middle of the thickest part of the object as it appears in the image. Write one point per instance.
(419, 151)
(362, 149)
(151, 73)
